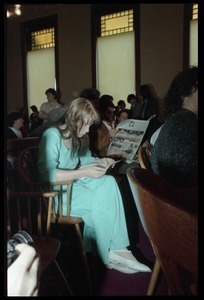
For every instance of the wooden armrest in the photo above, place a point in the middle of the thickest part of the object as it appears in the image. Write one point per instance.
(30, 194)
(66, 182)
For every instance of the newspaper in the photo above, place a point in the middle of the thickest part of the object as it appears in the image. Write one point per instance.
(127, 139)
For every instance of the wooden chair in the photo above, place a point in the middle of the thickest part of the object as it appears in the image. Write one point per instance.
(13, 148)
(31, 211)
(169, 218)
(18, 144)
(27, 169)
(144, 153)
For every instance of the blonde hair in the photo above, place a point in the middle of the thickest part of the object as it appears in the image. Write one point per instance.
(80, 112)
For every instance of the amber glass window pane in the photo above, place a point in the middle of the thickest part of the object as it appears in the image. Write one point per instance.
(43, 39)
(116, 23)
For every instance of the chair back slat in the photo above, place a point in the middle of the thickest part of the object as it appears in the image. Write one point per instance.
(30, 211)
(52, 191)
(28, 171)
(27, 168)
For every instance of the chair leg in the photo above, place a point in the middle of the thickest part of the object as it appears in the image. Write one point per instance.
(84, 258)
(154, 277)
(57, 267)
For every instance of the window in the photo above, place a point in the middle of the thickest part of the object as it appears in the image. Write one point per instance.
(43, 39)
(115, 32)
(195, 12)
(193, 43)
(116, 23)
(40, 59)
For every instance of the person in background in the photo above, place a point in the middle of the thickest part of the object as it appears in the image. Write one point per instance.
(155, 123)
(23, 275)
(64, 155)
(174, 155)
(150, 105)
(51, 104)
(35, 121)
(107, 112)
(25, 129)
(106, 99)
(135, 106)
(149, 111)
(91, 94)
(120, 106)
(122, 115)
(101, 134)
(15, 122)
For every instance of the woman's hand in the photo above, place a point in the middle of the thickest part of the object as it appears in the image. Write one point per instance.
(107, 161)
(94, 170)
(23, 274)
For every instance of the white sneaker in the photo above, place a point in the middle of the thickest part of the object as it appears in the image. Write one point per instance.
(128, 260)
(121, 268)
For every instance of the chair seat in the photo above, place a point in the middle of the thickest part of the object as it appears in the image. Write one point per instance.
(48, 249)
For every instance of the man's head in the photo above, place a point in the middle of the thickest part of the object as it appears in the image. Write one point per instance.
(91, 94)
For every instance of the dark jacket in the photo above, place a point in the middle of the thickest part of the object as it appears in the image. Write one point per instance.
(150, 108)
(11, 134)
(175, 152)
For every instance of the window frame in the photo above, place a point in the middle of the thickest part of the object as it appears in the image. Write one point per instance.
(188, 9)
(98, 10)
(26, 29)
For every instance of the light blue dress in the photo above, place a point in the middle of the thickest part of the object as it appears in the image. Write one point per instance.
(97, 201)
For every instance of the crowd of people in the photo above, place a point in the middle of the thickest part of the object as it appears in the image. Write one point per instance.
(20, 124)
(141, 107)
(79, 133)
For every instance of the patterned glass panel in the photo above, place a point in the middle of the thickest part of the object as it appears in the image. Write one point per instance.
(116, 23)
(43, 39)
(195, 12)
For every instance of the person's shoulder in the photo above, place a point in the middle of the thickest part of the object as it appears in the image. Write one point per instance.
(182, 117)
(10, 134)
(57, 105)
(184, 112)
(51, 131)
(56, 114)
(43, 105)
(180, 128)
(103, 126)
